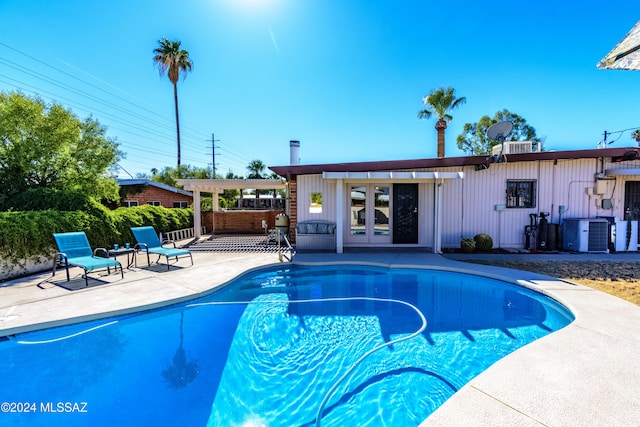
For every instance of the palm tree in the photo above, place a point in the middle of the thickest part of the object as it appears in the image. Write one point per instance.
(439, 102)
(170, 57)
(256, 171)
(636, 135)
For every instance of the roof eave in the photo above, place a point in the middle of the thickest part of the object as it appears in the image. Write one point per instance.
(294, 170)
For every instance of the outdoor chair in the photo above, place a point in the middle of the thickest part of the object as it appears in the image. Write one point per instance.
(149, 242)
(74, 250)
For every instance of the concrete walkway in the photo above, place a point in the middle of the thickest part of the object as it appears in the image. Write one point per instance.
(587, 374)
(42, 301)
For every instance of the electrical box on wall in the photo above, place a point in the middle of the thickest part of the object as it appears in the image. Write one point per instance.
(600, 187)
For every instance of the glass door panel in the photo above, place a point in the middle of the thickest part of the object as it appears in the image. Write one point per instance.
(358, 212)
(381, 212)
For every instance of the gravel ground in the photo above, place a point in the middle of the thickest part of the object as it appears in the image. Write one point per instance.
(621, 279)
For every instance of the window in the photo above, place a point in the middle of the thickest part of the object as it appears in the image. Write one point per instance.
(316, 203)
(180, 204)
(154, 203)
(130, 203)
(521, 193)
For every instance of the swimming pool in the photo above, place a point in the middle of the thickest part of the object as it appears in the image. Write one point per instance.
(276, 347)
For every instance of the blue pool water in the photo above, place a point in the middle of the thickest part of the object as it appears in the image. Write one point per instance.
(268, 349)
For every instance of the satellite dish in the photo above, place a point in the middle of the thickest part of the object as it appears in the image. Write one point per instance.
(499, 131)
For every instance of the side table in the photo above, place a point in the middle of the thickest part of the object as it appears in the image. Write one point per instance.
(130, 260)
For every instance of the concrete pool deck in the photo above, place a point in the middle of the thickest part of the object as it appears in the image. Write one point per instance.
(585, 374)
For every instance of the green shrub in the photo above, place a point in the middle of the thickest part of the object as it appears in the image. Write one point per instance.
(29, 234)
(484, 242)
(41, 199)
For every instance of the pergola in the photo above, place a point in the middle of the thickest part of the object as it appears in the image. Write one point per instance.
(217, 186)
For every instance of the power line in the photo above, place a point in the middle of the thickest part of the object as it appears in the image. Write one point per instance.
(146, 124)
(604, 143)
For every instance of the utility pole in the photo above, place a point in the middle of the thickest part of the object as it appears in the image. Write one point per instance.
(213, 154)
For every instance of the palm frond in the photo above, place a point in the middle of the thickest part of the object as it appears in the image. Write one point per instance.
(424, 114)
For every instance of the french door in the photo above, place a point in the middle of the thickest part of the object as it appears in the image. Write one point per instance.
(369, 214)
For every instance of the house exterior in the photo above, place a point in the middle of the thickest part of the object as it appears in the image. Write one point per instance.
(137, 192)
(434, 203)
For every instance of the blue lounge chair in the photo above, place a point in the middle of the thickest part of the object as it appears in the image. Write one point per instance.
(149, 242)
(74, 250)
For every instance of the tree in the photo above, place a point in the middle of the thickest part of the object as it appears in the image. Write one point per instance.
(170, 176)
(278, 192)
(170, 58)
(46, 146)
(474, 141)
(229, 197)
(636, 135)
(439, 102)
(256, 169)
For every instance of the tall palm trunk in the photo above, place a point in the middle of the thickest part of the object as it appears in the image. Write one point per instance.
(441, 125)
(175, 99)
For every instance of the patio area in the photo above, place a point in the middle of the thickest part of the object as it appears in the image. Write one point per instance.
(585, 374)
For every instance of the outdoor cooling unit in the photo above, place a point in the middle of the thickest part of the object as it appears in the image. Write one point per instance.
(585, 235)
(513, 147)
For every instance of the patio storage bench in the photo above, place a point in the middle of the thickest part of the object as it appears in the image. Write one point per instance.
(316, 235)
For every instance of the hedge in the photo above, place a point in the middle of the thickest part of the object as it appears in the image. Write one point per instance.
(29, 234)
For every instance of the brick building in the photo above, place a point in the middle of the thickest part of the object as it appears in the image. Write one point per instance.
(137, 192)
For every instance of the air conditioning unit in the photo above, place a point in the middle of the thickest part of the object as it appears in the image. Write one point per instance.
(585, 234)
(513, 147)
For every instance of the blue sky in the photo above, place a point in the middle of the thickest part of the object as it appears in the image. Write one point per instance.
(345, 77)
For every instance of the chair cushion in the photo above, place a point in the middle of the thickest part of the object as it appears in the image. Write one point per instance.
(146, 235)
(323, 228)
(316, 228)
(93, 262)
(169, 252)
(73, 244)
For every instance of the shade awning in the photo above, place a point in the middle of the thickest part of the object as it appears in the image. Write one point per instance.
(393, 175)
(626, 54)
